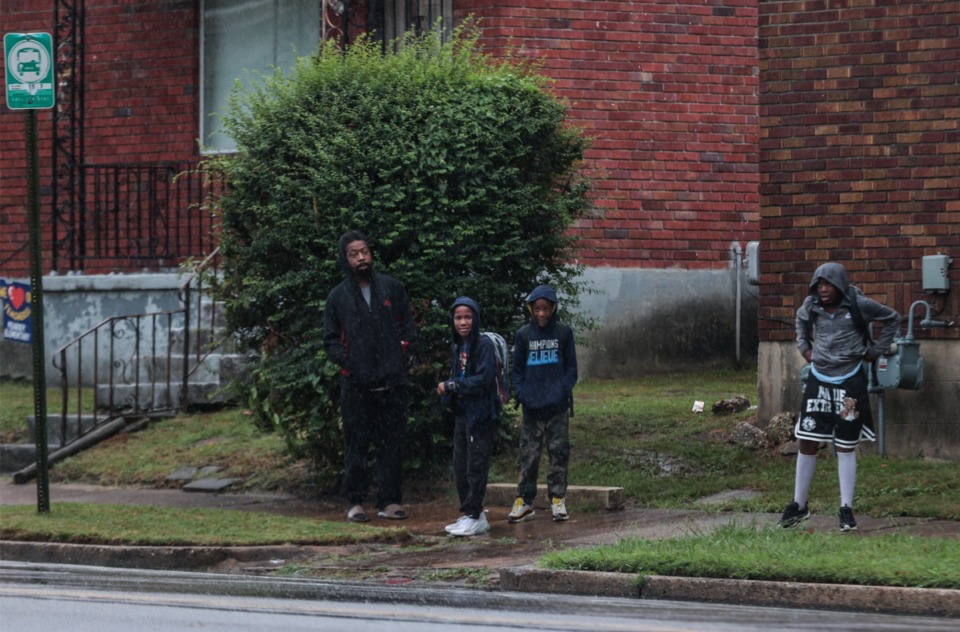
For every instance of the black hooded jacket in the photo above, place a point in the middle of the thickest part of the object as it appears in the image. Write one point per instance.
(370, 343)
(473, 396)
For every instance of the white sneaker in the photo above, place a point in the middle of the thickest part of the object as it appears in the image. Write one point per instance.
(559, 509)
(450, 528)
(472, 526)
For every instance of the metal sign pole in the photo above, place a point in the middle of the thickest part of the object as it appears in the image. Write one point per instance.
(30, 80)
(36, 287)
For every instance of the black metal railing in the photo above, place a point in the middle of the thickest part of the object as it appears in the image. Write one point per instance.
(142, 215)
(132, 367)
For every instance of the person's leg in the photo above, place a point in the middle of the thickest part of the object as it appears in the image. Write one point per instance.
(479, 449)
(558, 452)
(854, 424)
(816, 424)
(847, 472)
(356, 439)
(531, 442)
(806, 467)
(390, 410)
(460, 440)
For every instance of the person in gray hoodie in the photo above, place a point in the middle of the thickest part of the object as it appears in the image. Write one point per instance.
(834, 326)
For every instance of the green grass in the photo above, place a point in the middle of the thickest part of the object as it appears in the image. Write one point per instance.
(226, 439)
(164, 526)
(643, 435)
(637, 434)
(751, 552)
(17, 403)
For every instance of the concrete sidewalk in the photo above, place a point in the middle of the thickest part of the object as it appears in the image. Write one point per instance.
(505, 559)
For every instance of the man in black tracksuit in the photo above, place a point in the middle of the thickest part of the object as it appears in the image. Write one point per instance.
(368, 331)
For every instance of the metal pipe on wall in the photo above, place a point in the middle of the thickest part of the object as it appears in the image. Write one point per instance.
(737, 267)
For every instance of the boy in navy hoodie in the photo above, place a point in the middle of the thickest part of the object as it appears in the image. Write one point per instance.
(544, 374)
(471, 393)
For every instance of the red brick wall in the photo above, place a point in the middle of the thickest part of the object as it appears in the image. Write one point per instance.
(859, 150)
(14, 258)
(141, 104)
(669, 92)
(142, 81)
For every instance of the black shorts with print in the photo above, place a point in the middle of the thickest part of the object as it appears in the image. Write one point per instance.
(836, 412)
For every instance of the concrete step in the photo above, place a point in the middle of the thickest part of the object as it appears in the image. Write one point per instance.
(74, 426)
(203, 340)
(160, 396)
(216, 367)
(610, 498)
(16, 456)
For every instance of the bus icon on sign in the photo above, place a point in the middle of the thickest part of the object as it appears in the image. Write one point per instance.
(28, 63)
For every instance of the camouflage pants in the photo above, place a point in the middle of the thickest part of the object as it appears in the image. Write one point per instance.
(556, 430)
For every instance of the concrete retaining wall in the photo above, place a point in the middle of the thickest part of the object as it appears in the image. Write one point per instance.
(74, 304)
(650, 320)
(656, 320)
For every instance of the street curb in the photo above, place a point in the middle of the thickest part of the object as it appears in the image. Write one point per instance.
(931, 602)
(161, 558)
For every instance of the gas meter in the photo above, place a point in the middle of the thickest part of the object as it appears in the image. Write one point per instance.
(902, 367)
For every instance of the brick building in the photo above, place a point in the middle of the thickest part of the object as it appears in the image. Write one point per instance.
(822, 129)
(860, 163)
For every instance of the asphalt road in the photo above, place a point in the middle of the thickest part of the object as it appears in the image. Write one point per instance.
(62, 598)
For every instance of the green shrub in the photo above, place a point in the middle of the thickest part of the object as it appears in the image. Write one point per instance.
(460, 170)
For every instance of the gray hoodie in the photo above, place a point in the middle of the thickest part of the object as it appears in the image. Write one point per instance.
(837, 343)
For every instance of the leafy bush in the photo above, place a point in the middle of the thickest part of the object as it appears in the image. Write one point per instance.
(461, 172)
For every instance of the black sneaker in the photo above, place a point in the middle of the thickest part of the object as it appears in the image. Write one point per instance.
(793, 515)
(847, 521)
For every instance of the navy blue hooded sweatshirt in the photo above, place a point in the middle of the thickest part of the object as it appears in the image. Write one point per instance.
(472, 395)
(544, 361)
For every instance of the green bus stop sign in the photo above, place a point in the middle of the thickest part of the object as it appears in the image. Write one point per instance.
(29, 61)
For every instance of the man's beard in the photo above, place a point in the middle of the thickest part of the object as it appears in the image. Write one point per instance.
(363, 272)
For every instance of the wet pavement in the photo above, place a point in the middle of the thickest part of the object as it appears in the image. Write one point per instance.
(503, 559)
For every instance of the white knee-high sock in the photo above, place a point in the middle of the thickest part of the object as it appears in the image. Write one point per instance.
(847, 471)
(806, 466)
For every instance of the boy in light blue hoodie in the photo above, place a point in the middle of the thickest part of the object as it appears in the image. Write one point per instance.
(544, 374)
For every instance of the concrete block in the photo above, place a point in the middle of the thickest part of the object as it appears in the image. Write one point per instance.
(538, 580)
(886, 599)
(183, 474)
(209, 485)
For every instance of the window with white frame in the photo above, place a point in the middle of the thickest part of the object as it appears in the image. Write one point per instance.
(241, 40)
